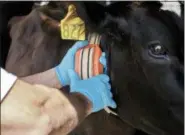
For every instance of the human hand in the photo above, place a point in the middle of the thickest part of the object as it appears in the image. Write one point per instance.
(97, 89)
(36, 110)
(103, 61)
(68, 63)
(21, 113)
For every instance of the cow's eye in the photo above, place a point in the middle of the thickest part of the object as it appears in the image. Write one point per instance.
(156, 50)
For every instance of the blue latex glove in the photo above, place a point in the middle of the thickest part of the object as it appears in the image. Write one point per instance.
(103, 61)
(97, 89)
(68, 63)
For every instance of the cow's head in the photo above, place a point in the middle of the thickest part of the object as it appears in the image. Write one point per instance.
(146, 59)
(146, 62)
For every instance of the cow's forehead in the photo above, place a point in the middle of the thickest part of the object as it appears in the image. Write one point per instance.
(145, 28)
(152, 29)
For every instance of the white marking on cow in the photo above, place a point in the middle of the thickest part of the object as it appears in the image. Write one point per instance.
(108, 2)
(171, 6)
(42, 3)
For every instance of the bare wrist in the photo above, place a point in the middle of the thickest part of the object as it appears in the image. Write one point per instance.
(47, 78)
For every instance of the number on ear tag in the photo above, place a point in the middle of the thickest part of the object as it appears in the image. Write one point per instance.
(72, 26)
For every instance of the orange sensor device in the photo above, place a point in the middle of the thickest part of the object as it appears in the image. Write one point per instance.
(87, 63)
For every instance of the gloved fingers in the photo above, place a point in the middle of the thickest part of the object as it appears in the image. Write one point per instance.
(110, 94)
(103, 77)
(73, 76)
(108, 86)
(103, 61)
(112, 103)
(78, 45)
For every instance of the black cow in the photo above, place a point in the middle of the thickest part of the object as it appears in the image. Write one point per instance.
(144, 45)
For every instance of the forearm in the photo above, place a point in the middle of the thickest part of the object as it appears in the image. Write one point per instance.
(47, 78)
(39, 108)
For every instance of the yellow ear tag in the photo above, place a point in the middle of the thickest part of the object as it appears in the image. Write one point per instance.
(72, 26)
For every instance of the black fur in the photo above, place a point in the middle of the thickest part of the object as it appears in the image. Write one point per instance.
(148, 88)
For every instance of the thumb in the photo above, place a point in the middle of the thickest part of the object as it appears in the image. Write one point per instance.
(103, 61)
(73, 76)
